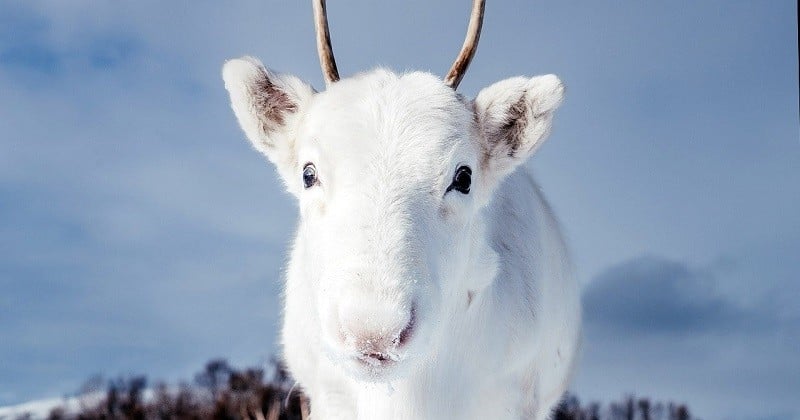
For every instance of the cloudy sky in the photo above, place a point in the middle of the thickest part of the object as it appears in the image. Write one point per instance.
(140, 234)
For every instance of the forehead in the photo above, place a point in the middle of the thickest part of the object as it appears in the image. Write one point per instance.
(385, 119)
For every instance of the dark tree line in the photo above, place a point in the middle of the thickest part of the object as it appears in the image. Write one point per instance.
(219, 392)
(223, 392)
(630, 408)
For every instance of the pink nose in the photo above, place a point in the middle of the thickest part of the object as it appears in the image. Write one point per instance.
(375, 334)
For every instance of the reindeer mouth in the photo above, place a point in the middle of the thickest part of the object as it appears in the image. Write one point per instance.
(374, 367)
(377, 359)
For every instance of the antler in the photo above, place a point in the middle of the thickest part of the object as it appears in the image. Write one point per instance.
(459, 68)
(324, 49)
(454, 76)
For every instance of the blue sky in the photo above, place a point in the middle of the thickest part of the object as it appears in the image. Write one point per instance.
(140, 234)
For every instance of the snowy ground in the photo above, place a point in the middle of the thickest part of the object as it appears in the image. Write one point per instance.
(37, 409)
(40, 409)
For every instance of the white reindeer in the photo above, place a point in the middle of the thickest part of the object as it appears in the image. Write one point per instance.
(428, 278)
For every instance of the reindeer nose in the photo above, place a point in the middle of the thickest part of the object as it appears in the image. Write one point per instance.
(375, 333)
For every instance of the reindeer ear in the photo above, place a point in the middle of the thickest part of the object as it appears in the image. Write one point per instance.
(514, 117)
(268, 106)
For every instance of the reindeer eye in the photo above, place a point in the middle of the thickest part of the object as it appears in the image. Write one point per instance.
(461, 180)
(309, 175)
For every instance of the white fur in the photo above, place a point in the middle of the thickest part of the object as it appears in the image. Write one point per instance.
(481, 280)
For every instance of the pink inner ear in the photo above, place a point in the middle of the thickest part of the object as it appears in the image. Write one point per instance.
(504, 135)
(271, 103)
(516, 121)
(515, 117)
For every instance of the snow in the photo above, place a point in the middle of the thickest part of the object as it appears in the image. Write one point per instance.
(40, 409)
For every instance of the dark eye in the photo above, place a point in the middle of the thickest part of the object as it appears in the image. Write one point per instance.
(461, 180)
(309, 175)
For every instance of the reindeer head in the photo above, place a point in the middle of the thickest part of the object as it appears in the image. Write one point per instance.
(393, 174)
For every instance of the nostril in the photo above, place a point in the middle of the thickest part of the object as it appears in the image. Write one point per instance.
(405, 335)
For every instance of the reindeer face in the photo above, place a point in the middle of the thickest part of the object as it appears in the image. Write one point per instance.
(382, 168)
(391, 174)
(383, 176)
